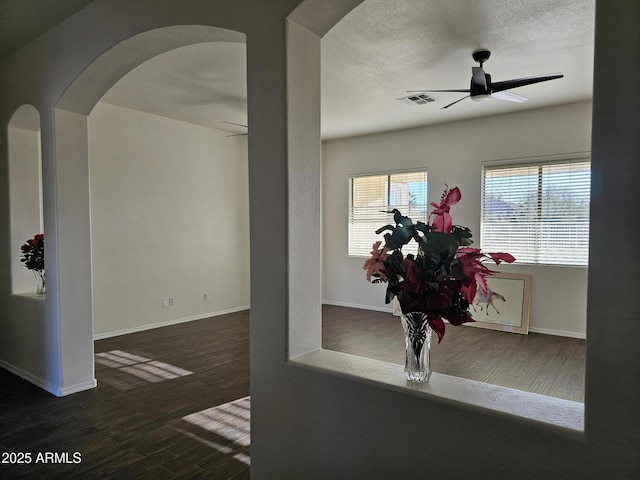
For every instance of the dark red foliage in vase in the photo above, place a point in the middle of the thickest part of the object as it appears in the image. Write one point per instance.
(442, 279)
(33, 253)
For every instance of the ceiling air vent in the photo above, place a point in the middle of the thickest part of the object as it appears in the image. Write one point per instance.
(418, 99)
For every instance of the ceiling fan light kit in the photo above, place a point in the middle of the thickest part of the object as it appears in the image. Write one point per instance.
(482, 87)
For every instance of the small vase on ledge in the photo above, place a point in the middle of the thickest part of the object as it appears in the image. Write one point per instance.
(39, 274)
(418, 346)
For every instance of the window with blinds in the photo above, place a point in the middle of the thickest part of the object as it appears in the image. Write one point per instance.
(538, 212)
(370, 197)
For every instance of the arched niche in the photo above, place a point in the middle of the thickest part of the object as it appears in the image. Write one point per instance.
(25, 190)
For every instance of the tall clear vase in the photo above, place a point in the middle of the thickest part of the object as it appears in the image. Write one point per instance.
(39, 274)
(418, 346)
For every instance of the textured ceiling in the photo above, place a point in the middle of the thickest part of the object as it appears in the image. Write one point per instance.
(376, 53)
(385, 47)
(204, 84)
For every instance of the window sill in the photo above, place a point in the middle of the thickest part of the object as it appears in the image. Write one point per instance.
(530, 264)
(561, 416)
(30, 296)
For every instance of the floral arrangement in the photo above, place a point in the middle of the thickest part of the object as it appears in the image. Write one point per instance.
(441, 281)
(33, 259)
(33, 253)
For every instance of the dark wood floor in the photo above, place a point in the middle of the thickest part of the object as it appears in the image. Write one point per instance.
(144, 421)
(173, 402)
(544, 364)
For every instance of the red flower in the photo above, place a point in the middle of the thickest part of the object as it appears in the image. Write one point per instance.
(437, 324)
(442, 221)
(33, 253)
(469, 263)
(411, 280)
(411, 288)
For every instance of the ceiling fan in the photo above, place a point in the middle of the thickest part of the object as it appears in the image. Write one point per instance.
(482, 86)
(236, 134)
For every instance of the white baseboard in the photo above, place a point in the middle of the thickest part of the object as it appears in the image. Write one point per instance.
(78, 387)
(166, 323)
(557, 333)
(546, 331)
(388, 309)
(38, 382)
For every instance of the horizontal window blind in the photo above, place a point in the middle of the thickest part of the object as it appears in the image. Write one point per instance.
(370, 197)
(537, 212)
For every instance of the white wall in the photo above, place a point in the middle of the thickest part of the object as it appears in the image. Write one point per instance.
(169, 217)
(453, 154)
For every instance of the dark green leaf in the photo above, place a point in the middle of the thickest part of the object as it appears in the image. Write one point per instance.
(463, 234)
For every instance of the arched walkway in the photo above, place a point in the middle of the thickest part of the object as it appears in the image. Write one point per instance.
(74, 276)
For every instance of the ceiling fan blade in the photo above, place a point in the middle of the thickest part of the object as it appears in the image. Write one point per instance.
(453, 103)
(456, 91)
(232, 123)
(508, 96)
(478, 79)
(521, 82)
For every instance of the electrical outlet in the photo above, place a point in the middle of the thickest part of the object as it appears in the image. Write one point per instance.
(165, 301)
(170, 301)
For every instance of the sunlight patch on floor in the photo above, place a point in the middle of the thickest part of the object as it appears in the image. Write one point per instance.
(231, 421)
(137, 367)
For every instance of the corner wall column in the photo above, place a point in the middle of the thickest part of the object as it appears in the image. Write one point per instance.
(72, 213)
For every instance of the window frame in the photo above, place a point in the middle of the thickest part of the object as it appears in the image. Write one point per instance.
(389, 219)
(540, 161)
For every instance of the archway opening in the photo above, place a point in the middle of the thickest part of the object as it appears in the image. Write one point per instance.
(71, 117)
(304, 340)
(372, 132)
(169, 191)
(166, 220)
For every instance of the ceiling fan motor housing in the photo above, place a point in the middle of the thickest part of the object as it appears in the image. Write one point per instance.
(478, 89)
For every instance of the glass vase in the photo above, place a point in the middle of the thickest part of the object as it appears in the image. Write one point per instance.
(418, 346)
(39, 274)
